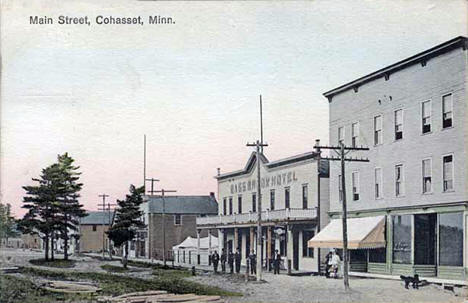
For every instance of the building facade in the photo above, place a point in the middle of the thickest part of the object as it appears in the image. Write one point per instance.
(294, 197)
(172, 218)
(93, 228)
(413, 115)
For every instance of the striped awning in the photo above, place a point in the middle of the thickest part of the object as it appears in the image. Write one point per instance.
(368, 232)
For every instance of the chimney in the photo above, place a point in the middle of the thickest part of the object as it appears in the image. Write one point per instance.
(212, 195)
(317, 143)
(219, 171)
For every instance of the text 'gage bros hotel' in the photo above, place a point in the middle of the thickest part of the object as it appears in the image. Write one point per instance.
(413, 115)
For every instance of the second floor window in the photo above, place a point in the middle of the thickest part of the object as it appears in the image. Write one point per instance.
(399, 186)
(230, 206)
(254, 202)
(448, 172)
(272, 199)
(239, 205)
(94, 227)
(447, 111)
(224, 207)
(426, 117)
(177, 219)
(399, 124)
(377, 130)
(355, 180)
(378, 183)
(286, 197)
(354, 134)
(427, 175)
(305, 196)
(340, 135)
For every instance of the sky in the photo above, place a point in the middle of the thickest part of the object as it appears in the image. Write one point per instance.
(192, 87)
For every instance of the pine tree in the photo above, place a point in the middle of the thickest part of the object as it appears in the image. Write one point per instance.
(70, 210)
(41, 201)
(7, 223)
(127, 221)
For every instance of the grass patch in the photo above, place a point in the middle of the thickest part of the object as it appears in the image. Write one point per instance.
(14, 289)
(57, 263)
(113, 268)
(118, 284)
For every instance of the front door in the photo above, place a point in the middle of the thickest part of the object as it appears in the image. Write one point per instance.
(296, 250)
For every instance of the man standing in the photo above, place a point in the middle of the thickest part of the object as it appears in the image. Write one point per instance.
(215, 260)
(237, 258)
(231, 261)
(223, 261)
(253, 263)
(276, 262)
(328, 258)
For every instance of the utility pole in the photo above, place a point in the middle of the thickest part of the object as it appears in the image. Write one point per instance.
(150, 241)
(152, 191)
(258, 146)
(144, 163)
(163, 191)
(103, 196)
(342, 151)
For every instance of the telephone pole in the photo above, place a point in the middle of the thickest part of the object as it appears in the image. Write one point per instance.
(259, 146)
(103, 196)
(341, 152)
(163, 191)
(150, 216)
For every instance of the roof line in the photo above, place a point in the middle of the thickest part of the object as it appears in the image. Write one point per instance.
(276, 163)
(459, 41)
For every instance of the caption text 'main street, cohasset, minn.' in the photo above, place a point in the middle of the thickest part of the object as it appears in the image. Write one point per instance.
(100, 20)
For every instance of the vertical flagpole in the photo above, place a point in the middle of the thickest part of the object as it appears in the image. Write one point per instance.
(261, 125)
(144, 164)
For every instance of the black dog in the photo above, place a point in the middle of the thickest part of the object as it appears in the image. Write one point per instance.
(414, 280)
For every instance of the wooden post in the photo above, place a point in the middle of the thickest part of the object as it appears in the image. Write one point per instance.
(268, 248)
(344, 220)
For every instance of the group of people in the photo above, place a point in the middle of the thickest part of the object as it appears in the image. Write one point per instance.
(234, 261)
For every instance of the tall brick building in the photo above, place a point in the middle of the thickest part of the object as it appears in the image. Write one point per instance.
(180, 214)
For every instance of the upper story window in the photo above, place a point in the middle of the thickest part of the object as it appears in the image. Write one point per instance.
(340, 189)
(447, 111)
(239, 204)
(377, 130)
(355, 181)
(305, 196)
(426, 116)
(224, 206)
(398, 124)
(448, 172)
(177, 219)
(272, 199)
(355, 134)
(230, 205)
(287, 197)
(254, 202)
(94, 227)
(427, 175)
(399, 185)
(341, 135)
(378, 183)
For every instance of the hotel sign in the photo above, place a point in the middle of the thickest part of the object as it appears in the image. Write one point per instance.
(281, 179)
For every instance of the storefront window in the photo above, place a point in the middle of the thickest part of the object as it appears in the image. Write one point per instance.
(425, 239)
(402, 239)
(451, 239)
(378, 255)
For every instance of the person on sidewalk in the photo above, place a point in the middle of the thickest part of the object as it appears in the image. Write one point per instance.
(223, 261)
(335, 264)
(253, 263)
(237, 258)
(328, 258)
(215, 260)
(276, 262)
(231, 261)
